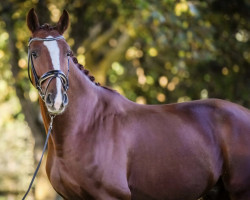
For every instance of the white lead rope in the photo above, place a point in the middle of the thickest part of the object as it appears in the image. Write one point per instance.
(44, 149)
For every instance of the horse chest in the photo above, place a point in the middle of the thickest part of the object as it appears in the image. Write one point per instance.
(63, 180)
(74, 180)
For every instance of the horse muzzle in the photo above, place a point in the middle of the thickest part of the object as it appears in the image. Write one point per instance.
(56, 104)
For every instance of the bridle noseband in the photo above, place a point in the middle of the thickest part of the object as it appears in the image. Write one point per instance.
(50, 75)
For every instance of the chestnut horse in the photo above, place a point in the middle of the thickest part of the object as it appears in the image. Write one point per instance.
(105, 147)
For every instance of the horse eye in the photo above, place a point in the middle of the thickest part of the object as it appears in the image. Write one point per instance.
(34, 54)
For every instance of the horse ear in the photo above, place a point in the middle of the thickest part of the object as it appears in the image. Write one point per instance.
(32, 20)
(63, 22)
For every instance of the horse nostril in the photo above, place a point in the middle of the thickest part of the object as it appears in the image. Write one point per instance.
(49, 99)
(65, 99)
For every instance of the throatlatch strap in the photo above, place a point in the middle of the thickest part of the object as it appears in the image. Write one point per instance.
(38, 166)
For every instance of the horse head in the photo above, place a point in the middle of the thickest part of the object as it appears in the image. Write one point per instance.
(48, 66)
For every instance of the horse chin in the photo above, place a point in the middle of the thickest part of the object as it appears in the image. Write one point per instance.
(53, 111)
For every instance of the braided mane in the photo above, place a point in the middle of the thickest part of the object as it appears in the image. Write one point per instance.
(85, 71)
(47, 27)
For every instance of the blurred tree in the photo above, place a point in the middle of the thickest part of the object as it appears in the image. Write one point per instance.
(13, 20)
(150, 51)
(226, 73)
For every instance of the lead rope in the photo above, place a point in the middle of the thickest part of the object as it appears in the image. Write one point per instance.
(44, 149)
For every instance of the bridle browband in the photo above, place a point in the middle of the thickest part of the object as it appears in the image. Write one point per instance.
(48, 75)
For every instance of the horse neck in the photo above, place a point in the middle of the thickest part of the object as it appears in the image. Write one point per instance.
(81, 92)
(87, 102)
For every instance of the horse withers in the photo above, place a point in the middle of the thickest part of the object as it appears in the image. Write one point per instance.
(105, 147)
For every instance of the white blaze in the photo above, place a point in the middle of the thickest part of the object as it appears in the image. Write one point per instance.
(54, 52)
